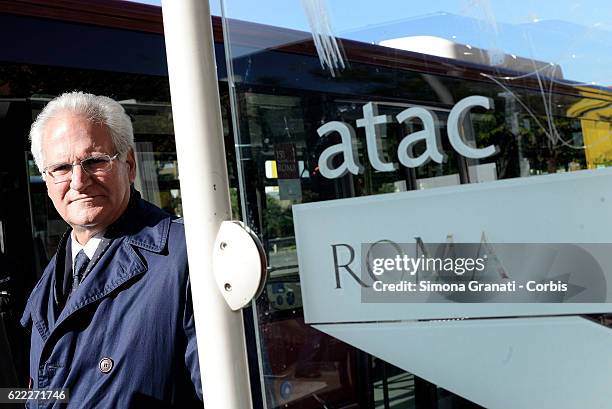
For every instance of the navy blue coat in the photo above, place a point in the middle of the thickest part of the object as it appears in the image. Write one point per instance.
(133, 309)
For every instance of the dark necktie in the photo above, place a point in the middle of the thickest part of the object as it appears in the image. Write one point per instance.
(80, 265)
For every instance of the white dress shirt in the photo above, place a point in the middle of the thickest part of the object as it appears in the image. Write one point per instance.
(89, 248)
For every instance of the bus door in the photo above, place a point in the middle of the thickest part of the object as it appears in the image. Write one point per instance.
(16, 253)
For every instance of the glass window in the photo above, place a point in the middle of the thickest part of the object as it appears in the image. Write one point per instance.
(542, 70)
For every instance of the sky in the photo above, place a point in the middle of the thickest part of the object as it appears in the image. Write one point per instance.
(576, 34)
(352, 14)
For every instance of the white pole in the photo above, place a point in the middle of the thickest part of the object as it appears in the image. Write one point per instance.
(205, 196)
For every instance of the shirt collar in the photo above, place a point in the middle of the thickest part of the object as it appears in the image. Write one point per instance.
(89, 248)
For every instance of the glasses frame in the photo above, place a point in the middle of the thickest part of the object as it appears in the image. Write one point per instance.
(80, 163)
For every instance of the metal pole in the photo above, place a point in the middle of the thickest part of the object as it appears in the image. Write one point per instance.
(205, 196)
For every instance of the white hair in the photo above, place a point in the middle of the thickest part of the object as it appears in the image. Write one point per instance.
(97, 109)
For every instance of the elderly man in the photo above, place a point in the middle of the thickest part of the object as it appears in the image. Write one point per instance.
(112, 317)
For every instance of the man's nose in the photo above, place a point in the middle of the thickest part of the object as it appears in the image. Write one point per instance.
(79, 179)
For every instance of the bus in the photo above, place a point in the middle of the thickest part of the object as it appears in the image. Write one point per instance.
(278, 97)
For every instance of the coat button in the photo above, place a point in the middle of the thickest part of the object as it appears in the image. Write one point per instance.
(106, 365)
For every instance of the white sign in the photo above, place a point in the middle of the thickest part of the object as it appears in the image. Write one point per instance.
(560, 208)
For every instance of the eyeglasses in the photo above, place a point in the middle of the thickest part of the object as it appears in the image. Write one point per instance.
(94, 165)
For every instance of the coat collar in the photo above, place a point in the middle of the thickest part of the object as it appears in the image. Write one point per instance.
(142, 226)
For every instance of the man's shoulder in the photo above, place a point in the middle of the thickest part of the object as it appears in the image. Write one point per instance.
(178, 220)
(157, 231)
(41, 289)
(177, 228)
(47, 274)
(176, 235)
(147, 226)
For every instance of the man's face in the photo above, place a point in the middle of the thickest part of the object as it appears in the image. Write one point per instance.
(86, 202)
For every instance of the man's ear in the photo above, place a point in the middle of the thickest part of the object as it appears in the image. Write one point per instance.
(131, 162)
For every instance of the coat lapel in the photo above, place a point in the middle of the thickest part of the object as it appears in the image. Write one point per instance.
(142, 226)
(42, 302)
(138, 228)
(117, 266)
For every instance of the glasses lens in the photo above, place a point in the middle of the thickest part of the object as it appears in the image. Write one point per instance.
(97, 164)
(59, 170)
